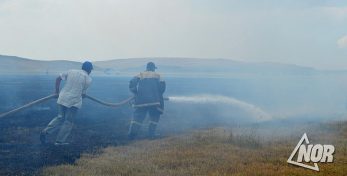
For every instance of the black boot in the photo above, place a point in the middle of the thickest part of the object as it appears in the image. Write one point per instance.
(151, 131)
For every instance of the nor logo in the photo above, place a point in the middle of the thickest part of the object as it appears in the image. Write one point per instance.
(311, 153)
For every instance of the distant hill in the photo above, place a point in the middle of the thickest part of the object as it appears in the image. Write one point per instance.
(168, 66)
(17, 65)
(203, 66)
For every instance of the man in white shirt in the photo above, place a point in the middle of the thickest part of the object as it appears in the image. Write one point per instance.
(69, 101)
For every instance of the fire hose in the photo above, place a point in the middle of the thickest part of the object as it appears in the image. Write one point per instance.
(123, 102)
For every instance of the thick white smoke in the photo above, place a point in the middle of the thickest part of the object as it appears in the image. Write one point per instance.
(255, 111)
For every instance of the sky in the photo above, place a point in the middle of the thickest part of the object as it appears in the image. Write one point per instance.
(303, 32)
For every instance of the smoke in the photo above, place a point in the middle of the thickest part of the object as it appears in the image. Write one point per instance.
(253, 110)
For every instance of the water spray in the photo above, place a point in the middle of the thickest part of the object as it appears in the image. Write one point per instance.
(218, 99)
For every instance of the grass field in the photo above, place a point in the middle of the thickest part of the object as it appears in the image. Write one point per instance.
(214, 151)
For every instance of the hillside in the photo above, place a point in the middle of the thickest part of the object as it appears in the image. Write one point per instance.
(17, 65)
(203, 66)
(168, 66)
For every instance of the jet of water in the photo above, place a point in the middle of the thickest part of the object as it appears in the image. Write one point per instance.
(255, 111)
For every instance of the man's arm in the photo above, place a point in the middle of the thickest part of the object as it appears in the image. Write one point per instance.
(162, 86)
(62, 76)
(133, 84)
(57, 85)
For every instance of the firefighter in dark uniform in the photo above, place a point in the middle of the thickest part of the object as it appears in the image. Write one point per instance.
(148, 88)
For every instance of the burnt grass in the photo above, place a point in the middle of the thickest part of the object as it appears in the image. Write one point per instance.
(21, 152)
(95, 126)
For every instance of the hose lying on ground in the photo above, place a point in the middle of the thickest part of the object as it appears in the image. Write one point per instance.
(54, 96)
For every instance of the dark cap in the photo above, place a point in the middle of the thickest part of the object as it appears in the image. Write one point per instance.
(87, 66)
(151, 66)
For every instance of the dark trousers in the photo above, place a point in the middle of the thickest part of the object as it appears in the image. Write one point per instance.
(139, 116)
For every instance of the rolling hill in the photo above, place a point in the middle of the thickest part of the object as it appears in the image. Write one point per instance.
(168, 66)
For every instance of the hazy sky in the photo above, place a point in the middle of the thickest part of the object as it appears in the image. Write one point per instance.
(304, 32)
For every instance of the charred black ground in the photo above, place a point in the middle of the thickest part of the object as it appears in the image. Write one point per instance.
(22, 154)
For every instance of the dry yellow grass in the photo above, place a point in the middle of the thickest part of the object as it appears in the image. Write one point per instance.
(210, 152)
